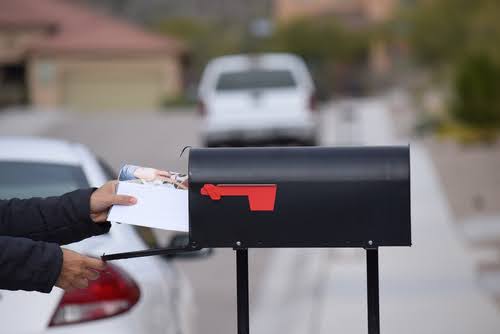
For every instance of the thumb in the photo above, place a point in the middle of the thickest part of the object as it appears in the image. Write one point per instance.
(93, 263)
(123, 200)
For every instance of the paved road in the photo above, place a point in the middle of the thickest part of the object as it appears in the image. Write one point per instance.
(429, 288)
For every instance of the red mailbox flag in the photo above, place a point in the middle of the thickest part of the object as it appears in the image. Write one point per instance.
(261, 197)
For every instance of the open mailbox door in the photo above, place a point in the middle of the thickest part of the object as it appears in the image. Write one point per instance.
(297, 197)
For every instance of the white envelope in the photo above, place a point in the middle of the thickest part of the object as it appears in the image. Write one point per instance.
(158, 206)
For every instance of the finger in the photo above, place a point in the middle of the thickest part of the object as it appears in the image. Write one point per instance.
(95, 264)
(101, 217)
(68, 288)
(80, 283)
(63, 285)
(123, 200)
(91, 275)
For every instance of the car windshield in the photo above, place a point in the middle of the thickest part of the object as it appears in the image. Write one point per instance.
(255, 79)
(30, 179)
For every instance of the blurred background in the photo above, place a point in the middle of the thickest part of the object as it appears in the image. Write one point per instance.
(135, 81)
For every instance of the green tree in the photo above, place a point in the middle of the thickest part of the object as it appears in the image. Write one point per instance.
(326, 45)
(477, 92)
(459, 41)
(442, 32)
(322, 40)
(332, 51)
(206, 39)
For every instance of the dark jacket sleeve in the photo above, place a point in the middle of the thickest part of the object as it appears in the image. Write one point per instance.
(62, 220)
(29, 265)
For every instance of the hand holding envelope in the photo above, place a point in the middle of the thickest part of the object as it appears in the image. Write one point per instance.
(162, 199)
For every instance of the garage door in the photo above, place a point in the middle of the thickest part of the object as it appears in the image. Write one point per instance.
(112, 90)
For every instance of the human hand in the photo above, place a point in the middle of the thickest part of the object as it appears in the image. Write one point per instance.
(77, 270)
(150, 174)
(103, 198)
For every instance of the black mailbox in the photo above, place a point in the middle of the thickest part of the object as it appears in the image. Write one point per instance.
(299, 197)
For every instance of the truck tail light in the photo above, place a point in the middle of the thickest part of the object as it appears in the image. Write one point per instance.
(113, 293)
(312, 102)
(202, 109)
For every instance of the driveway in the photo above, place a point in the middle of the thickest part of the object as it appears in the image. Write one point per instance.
(428, 288)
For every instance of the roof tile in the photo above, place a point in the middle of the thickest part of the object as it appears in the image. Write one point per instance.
(80, 29)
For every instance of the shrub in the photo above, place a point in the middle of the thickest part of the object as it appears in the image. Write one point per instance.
(476, 91)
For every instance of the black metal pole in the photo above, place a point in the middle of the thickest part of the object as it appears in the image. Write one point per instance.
(242, 290)
(372, 289)
(149, 252)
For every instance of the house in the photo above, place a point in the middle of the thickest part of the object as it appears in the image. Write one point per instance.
(353, 12)
(58, 54)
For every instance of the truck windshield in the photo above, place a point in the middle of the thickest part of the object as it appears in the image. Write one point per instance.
(255, 79)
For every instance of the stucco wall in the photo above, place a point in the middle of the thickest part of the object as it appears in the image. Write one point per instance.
(49, 78)
(373, 10)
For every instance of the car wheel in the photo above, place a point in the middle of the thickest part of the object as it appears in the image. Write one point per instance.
(310, 142)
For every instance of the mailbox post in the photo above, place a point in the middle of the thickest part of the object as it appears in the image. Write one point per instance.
(244, 198)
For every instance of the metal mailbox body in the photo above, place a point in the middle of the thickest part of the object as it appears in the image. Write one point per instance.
(324, 197)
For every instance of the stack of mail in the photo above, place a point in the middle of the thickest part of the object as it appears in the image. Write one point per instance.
(162, 199)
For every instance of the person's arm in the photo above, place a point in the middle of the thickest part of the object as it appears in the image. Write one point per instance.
(29, 265)
(64, 219)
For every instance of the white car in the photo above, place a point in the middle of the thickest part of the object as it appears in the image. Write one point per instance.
(142, 295)
(257, 99)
